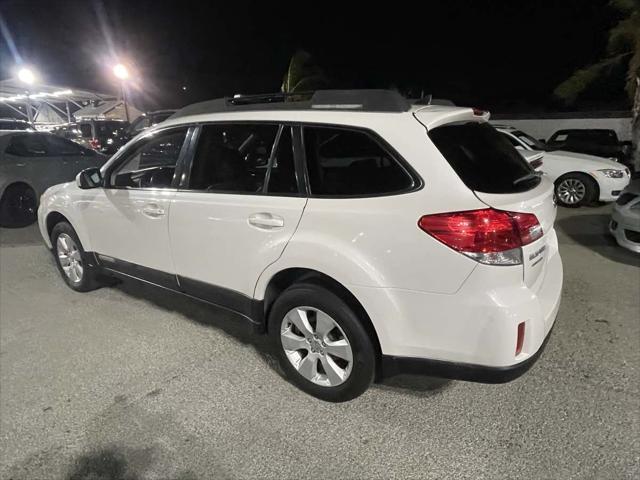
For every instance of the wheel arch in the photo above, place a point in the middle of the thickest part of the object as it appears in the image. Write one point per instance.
(52, 219)
(283, 279)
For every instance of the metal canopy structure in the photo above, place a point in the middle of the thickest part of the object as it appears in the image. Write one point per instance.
(43, 103)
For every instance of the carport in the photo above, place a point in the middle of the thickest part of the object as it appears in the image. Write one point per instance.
(45, 105)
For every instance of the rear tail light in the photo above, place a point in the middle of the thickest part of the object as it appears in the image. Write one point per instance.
(94, 143)
(493, 237)
(520, 339)
(536, 164)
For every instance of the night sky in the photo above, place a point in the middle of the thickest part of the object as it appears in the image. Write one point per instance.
(501, 55)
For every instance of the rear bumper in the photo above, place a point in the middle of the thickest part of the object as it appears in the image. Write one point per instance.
(474, 329)
(459, 371)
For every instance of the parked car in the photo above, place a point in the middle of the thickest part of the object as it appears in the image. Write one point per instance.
(103, 136)
(145, 121)
(364, 235)
(30, 162)
(592, 141)
(15, 124)
(579, 179)
(625, 219)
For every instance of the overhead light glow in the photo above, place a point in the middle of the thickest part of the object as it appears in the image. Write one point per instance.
(27, 76)
(121, 72)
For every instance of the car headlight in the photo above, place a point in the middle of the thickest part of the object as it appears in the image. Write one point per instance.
(612, 173)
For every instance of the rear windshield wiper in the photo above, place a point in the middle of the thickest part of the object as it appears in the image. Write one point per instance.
(528, 176)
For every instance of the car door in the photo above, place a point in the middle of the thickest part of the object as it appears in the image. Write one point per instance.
(240, 205)
(31, 159)
(127, 219)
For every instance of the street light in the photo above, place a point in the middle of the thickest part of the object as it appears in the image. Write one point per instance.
(26, 76)
(122, 73)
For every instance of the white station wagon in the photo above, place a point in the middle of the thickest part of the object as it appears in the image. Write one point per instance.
(366, 236)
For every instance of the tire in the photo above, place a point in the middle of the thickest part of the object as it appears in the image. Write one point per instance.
(336, 378)
(575, 190)
(66, 245)
(19, 206)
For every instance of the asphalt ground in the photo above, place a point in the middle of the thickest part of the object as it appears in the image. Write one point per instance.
(128, 382)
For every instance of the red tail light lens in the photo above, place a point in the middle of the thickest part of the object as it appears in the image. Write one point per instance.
(486, 234)
(94, 143)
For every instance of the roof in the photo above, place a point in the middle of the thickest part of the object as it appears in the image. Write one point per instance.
(13, 90)
(110, 110)
(341, 100)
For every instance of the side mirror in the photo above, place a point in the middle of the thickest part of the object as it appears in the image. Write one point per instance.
(89, 178)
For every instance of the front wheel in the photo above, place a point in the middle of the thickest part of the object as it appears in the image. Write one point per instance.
(18, 207)
(76, 266)
(575, 190)
(321, 344)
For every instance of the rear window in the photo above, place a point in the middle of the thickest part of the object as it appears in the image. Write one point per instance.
(483, 159)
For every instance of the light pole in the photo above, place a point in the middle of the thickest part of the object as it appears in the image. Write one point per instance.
(122, 73)
(26, 76)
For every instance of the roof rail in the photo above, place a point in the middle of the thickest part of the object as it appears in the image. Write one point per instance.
(348, 100)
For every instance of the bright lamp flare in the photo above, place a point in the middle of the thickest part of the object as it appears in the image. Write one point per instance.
(121, 71)
(26, 75)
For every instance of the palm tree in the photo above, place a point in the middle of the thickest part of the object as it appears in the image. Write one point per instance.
(623, 47)
(303, 74)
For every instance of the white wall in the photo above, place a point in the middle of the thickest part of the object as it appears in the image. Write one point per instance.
(545, 127)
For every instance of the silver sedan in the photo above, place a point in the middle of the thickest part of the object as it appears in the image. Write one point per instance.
(31, 162)
(625, 219)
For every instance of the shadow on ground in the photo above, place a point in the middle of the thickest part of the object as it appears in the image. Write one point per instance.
(592, 231)
(238, 328)
(113, 463)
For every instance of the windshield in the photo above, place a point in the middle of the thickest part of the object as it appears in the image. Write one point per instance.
(530, 141)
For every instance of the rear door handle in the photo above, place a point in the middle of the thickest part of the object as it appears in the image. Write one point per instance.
(266, 220)
(153, 211)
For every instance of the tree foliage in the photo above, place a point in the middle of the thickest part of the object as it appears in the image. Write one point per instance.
(303, 74)
(623, 45)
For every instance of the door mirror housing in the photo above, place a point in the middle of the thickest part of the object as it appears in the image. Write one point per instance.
(89, 178)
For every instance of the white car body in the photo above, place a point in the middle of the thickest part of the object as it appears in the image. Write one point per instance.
(625, 218)
(559, 162)
(424, 300)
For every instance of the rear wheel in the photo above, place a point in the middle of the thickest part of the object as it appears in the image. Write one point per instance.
(575, 190)
(18, 207)
(76, 267)
(321, 344)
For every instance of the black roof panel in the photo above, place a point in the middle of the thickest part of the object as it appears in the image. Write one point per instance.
(348, 100)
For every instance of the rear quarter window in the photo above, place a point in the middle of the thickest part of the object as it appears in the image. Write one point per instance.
(483, 159)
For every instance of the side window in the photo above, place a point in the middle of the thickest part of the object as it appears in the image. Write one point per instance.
(32, 145)
(349, 162)
(152, 162)
(282, 172)
(61, 147)
(232, 158)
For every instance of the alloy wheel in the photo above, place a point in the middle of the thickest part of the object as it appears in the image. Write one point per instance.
(571, 191)
(316, 346)
(70, 258)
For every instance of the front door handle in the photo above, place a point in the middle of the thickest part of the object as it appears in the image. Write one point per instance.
(153, 211)
(266, 220)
